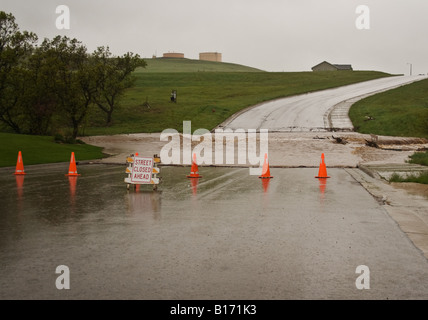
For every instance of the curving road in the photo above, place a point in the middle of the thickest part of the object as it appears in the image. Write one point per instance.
(316, 111)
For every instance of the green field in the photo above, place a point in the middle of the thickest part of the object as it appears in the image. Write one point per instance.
(207, 98)
(401, 112)
(188, 65)
(37, 150)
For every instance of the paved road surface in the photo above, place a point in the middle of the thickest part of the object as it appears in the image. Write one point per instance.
(310, 112)
(229, 236)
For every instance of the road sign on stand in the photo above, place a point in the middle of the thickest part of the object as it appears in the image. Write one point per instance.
(142, 170)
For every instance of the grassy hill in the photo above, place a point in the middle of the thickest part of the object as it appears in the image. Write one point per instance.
(399, 112)
(188, 65)
(207, 98)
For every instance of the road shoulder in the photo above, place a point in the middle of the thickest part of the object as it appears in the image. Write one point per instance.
(409, 210)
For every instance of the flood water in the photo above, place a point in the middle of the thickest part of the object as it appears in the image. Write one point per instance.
(227, 235)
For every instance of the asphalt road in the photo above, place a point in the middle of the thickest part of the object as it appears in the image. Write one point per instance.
(310, 112)
(228, 235)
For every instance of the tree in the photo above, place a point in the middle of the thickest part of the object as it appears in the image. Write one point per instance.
(38, 97)
(15, 48)
(112, 76)
(69, 78)
(57, 81)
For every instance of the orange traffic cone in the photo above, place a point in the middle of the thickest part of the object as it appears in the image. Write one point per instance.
(194, 171)
(265, 169)
(72, 171)
(322, 173)
(19, 164)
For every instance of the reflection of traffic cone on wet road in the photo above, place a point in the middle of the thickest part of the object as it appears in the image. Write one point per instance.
(19, 184)
(322, 172)
(265, 184)
(194, 186)
(72, 171)
(194, 171)
(19, 164)
(73, 182)
(265, 169)
(323, 185)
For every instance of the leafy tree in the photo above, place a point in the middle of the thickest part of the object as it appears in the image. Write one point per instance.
(70, 78)
(15, 48)
(56, 83)
(112, 76)
(39, 99)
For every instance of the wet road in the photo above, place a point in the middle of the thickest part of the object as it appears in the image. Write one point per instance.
(310, 112)
(228, 236)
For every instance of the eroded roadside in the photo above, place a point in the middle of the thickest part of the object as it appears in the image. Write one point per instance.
(286, 149)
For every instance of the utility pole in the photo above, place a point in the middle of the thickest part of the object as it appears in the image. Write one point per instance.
(410, 68)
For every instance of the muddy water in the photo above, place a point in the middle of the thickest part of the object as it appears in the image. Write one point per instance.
(227, 235)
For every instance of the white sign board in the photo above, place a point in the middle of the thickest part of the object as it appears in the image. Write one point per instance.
(142, 170)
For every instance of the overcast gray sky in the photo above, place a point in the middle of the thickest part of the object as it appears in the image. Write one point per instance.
(273, 35)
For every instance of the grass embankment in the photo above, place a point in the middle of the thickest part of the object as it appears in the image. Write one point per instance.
(421, 178)
(417, 158)
(188, 65)
(401, 112)
(208, 98)
(37, 150)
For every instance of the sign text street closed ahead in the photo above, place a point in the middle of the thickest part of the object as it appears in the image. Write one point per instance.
(142, 170)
